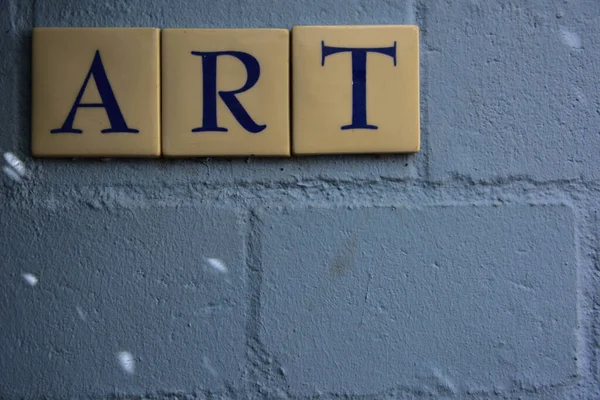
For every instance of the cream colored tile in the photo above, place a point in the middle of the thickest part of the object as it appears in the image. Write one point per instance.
(360, 101)
(225, 92)
(96, 92)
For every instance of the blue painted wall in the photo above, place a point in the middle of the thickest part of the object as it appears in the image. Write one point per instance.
(468, 271)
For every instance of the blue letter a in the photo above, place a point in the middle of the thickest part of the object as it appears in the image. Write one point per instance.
(109, 102)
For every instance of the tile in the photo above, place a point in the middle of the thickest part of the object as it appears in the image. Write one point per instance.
(225, 92)
(96, 92)
(355, 89)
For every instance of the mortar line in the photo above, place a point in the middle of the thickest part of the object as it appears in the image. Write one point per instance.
(581, 341)
(397, 193)
(595, 300)
(254, 270)
(261, 186)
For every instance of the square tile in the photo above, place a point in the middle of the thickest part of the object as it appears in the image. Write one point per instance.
(355, 89)
(96, 92)
(225, 92)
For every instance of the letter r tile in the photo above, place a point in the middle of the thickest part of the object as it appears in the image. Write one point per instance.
(355, 89)
(225, 92)
(95, 92)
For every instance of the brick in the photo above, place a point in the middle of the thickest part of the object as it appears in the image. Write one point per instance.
(512, 90)
(112, 281)
(439, 299)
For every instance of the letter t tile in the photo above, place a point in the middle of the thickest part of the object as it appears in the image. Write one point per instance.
(355, 89)
(225, 92)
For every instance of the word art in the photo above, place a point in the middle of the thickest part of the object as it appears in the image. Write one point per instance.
(143, 92)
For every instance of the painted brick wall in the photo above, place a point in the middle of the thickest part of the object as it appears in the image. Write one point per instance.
(468, 271)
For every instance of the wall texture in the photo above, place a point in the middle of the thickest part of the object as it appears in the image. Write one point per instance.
(468, 271)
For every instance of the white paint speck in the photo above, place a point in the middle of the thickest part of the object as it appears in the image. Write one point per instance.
(30, 279)
(580, 96)
(209, 367)
(126, 361)
(444, 381)
(217, 265)
(81, 314)
(11, 174)
(570, 38)
(16, 164)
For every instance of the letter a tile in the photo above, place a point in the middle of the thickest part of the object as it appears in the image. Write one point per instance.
(96, 92)
(355, 89)
(225, 92)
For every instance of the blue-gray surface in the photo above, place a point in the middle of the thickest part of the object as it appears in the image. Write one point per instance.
(468, 271)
